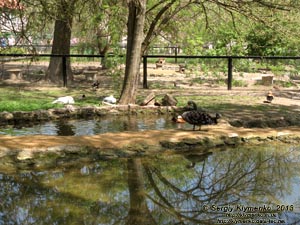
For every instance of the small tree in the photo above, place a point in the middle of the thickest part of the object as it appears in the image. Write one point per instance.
(62, 12)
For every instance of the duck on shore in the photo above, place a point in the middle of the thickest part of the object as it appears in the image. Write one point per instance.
(64, 100)
(191, 105)
(269, 97)
(109, 100)
(198, 117)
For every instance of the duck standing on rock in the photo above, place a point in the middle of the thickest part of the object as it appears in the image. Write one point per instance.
(198, 117)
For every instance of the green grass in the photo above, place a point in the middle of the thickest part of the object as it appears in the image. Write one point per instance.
(16, 99)
(24, 99)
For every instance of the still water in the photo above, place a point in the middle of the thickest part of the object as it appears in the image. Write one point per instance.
(244, 185)
(94, 126)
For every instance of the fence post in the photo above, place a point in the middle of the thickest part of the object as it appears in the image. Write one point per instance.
(64, 70)
(176, 54)
(145, 83)
(229, 79)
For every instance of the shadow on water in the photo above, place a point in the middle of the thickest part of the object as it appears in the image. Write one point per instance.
(93, 126)
(162, 189)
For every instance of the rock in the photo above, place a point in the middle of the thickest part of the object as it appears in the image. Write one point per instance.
(42, 115)
(86, 112)
(24, 116)
(70, 108)
(6, 117)
(169, 100)
(149, 100)
(267, 80)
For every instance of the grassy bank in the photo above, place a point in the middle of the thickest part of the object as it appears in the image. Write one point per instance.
(13, 99)
(27, 99)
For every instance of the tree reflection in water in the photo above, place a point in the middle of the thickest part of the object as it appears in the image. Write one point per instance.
(156, 190)
(245, 178)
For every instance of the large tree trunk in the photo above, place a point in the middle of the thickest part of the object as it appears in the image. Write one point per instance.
(136, 19)
(61, 45)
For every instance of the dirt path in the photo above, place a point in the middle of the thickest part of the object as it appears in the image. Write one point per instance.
(133, 142)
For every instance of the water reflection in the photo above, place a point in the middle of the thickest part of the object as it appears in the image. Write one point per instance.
(93, 126)
(159, 190)
(64, 128)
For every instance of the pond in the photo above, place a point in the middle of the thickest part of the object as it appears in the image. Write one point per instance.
(94, 126)
(242, 185)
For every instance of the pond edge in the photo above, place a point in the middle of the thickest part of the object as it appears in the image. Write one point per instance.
(40, 150)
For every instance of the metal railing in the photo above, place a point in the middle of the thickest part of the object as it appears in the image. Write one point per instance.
(7, 57)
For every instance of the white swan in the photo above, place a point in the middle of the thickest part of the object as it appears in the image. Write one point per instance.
(110, 99)
(64, 100)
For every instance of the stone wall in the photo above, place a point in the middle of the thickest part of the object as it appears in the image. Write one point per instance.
(72, 112)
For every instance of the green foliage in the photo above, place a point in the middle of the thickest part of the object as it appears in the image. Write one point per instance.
(285, 84)
(278, 69)
(193, 46)
(103, 27)
(226, 41)
(264, 41)
(245, 65)
(239, 83)
(12, 100)
(12, 50)
(100, 26)
(26, 105)
(117, 78)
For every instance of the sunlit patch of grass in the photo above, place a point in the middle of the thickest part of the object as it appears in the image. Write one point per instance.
(24, 105)
(13, 99)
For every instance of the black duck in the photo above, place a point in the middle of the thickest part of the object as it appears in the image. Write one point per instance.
(95, 85)
(191, 105)
(198, 117)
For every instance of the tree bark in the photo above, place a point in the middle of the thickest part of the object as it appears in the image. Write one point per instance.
(136, 19)
(61, 45)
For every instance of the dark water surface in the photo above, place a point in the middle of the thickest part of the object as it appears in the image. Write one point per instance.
(94, 126)
(244, 185)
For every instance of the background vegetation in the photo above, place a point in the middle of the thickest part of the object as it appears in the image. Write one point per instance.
(261, 28)
(100, 26)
